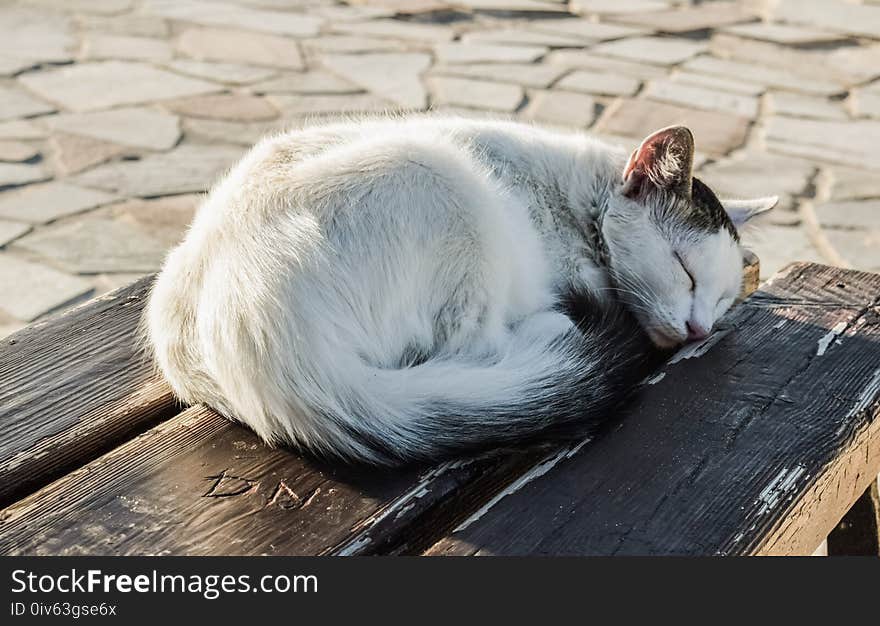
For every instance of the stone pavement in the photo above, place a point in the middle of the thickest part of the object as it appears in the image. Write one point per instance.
(116, 114)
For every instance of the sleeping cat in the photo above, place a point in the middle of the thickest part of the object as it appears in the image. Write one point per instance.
(395, 289)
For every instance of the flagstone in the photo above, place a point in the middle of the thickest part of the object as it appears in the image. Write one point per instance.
(866, 103)
(477, 94)
(715, 133)
(586, 30)
(760, 74)
(226, 106)
(561, 108)
(187, 168)
(860, 248)
(11, 230)
(104, 283)
(21, 174)
(140, 127)
(311, 82)
(600, 83)
(232, 73)
(616, 6)
(130, 24)
(10, 66)
(777, 246)
(105, 84)
(757, 175)
(8, 325)
(653, 50)
(854, 184)
(299, 106)
(395, 77)
(396, 29)
(94, 245)
(39, 204)
(526, 74)
(17, 151)
(35, 35)
(214, 44)
(845, 17)
(733, 85)
(799, 105)
(699, 17)
(98, 7)
(518, 6)
(851, 142)
(295, 24)
(822, 155)
(352, 43)
(75, 153)
(164, 219)
(481, 53)
(782, 33)
(29, 290)
(15, 103)
(354, 13)
(523, 37)
(101, 46)
(851, 214)
(842, 65)
(586, 59)
(21, 129)
(240, 133)
(702, 98)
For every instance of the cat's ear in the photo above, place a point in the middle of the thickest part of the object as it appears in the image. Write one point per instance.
(741, 211)
(665, 159)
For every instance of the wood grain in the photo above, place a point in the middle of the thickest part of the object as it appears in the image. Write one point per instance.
(73, 387)
(755, 442)
(199, 484)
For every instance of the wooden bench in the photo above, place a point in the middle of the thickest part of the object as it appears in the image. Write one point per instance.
(756, 441)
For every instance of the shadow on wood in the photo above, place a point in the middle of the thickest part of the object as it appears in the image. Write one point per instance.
(857, 532)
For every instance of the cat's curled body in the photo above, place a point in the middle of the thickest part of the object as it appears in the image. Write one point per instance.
(391, 289)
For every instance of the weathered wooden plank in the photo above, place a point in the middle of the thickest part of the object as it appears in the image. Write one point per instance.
(751, 274)
(72, 387)
(198, 484)
(755, 442)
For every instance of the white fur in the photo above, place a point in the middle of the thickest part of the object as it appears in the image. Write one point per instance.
(329, 253)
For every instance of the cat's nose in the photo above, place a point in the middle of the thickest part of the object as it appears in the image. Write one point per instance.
(696, 330)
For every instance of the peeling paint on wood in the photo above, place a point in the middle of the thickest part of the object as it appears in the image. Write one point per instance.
(699, 348)
(656, 379)
(830, 336)
(779, 488)
(540, 469)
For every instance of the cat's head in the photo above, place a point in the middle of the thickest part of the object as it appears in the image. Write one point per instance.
(674, 250)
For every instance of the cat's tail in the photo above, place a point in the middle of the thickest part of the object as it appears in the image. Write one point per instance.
(552, 380)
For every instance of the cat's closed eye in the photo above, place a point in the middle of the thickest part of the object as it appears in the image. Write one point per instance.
(686, 271)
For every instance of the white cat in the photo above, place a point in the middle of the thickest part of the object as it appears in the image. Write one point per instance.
(395, 289)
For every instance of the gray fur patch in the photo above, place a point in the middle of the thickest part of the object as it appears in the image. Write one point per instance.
(701, 212)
